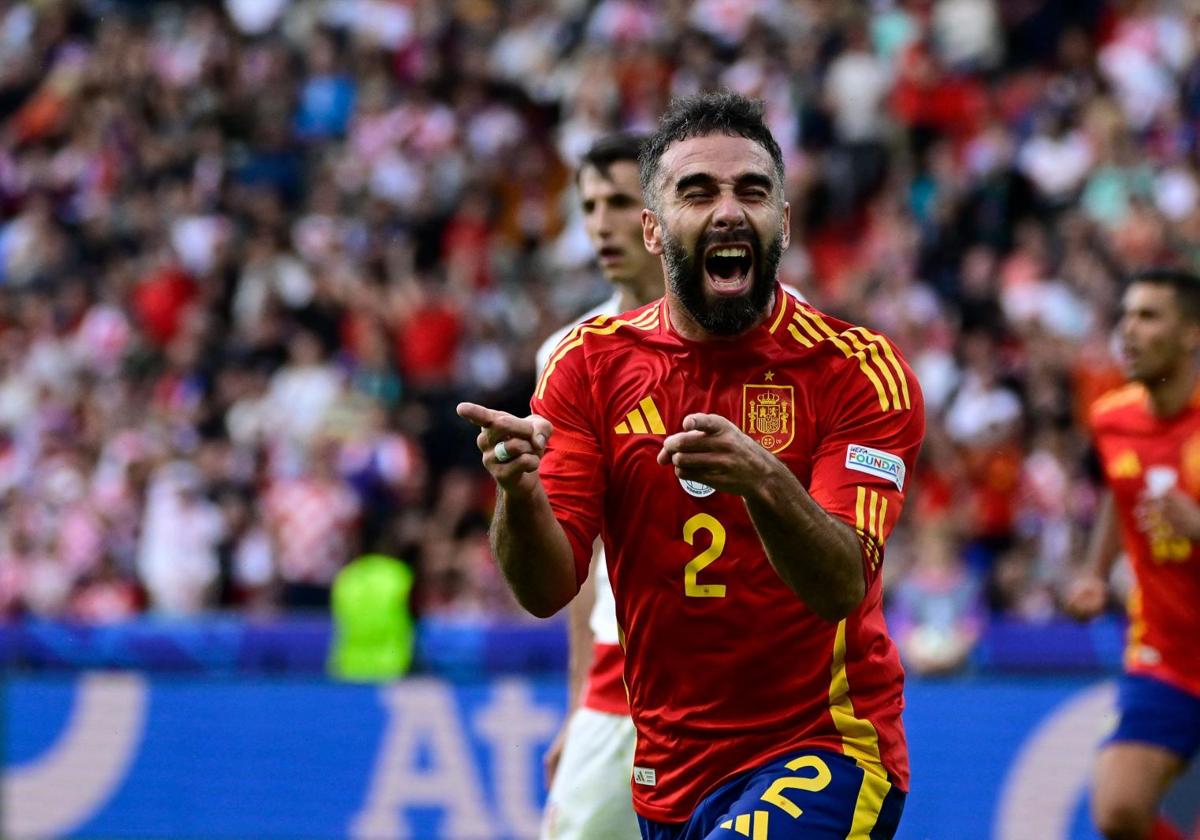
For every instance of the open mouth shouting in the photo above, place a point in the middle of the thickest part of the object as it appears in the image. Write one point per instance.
(729, 268)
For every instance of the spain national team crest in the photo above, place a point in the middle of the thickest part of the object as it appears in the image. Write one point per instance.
(768, 413)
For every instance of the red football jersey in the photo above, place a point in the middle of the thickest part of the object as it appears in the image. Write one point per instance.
(726, 667)
(1143, 453)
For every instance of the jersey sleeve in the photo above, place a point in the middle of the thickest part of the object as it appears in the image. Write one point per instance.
(861, 469)
(572, 469)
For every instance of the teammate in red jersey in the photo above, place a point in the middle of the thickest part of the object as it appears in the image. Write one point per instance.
(744, 458)
(1148, 438)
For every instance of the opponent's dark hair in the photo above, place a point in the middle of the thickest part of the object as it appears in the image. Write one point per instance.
(1185, 284)
(702, 115)
(610, 149)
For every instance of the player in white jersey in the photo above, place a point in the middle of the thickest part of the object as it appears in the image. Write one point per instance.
(590, 762)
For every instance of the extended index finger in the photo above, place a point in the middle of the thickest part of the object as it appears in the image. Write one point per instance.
(479, 415)
(499, 425)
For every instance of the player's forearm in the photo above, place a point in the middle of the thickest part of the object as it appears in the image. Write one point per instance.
(1104, 544)
(816, 555)
(533, 552)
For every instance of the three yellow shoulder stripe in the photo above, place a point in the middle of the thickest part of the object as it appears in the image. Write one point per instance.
(601, 325)
(870, 515)
(1119, 398)
(644, 419)
(874, 353)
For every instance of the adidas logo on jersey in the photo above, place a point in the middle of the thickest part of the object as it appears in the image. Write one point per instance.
(643, 420)
(1125, 465)
(645, 776)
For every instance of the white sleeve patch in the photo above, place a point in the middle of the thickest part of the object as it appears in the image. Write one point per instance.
(876, 462)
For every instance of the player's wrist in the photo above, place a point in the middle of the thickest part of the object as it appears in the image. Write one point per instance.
(521, 489)
(775, 482)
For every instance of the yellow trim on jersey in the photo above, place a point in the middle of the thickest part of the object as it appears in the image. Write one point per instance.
(860, 741)
(1121, 397)
(782, 311)
(648, 320)
(1137, 626)
(871, 794)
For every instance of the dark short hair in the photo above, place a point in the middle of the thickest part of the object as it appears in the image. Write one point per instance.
(610, 149)
(702, 115)
(1185, 284)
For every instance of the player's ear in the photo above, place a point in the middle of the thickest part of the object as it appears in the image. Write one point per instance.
(786, 234)
(651, 232)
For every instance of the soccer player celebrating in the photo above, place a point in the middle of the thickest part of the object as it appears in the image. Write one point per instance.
(590, 762)
(1148, 438)
(743, 458)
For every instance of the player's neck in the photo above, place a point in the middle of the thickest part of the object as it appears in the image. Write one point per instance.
(637, 293)
(1170, 395)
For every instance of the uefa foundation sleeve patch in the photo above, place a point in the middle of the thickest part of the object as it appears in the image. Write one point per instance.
(876, 462)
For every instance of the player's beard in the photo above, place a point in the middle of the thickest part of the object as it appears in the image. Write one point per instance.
(723, 316)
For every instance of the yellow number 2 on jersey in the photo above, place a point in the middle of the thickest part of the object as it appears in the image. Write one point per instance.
(702, 521)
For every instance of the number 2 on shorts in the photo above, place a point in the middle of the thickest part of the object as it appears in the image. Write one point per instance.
(774, 794)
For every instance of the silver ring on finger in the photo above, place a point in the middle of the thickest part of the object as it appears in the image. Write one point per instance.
(502, 453)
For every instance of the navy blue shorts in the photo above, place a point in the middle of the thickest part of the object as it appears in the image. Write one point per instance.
(814, 795)
(1155, 712)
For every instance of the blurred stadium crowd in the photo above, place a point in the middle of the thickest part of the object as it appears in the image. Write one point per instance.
(252, 253)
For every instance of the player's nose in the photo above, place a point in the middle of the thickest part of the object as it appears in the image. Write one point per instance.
(728, 212)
